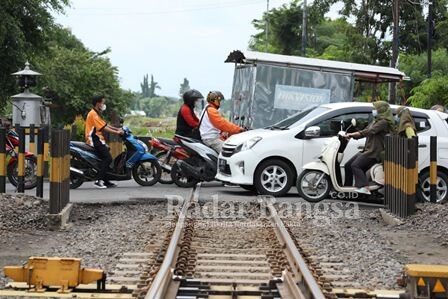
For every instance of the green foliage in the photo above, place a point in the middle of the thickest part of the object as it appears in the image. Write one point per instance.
(184, 86)
(73, 75)
(416, 66)
(160, 106)
(152, 88)
(145, 126)
(145, 86)
(80, 125)
(23, 34)
(430, 92)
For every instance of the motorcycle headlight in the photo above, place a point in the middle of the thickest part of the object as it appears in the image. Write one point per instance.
(247, 144)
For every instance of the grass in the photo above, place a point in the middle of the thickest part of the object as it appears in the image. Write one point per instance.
(146, 126)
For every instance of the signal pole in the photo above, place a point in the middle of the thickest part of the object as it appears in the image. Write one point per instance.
(304, 29)
(267, 26)
(395, 48)
(431, 5)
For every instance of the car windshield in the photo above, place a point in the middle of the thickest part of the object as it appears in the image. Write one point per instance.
(298, 118)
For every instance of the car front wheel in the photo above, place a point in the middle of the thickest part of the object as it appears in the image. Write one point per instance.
(441, 185)
(273, 177)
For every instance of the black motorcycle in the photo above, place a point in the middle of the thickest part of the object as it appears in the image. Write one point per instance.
(134, 162)
(200, 166)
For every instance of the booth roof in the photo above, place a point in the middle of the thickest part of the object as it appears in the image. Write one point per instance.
(361, 72)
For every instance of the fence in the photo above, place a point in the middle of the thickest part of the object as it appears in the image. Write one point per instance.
(60, 162)
(401, 175)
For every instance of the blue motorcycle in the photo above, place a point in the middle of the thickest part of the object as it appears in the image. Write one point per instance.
(134, 162)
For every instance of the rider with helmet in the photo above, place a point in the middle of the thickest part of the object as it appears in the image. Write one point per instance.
(212, 123)
(186, 118)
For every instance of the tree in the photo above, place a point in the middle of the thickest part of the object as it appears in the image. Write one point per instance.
(24, 31)
(152, 88)
(145, 86)
(184, 86)
(430, 92)
(73, 75)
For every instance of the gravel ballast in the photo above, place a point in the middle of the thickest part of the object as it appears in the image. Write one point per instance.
(374, 254)
(98, 233)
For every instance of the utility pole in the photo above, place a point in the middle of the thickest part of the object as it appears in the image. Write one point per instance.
(267, 26)
(304, 29)
(395, 48)
(430, 34)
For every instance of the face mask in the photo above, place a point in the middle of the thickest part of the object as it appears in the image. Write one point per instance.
(197, 104)
(397, 119)
(374, 113)
(103, 108)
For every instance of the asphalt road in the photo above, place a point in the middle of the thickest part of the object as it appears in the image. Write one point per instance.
(129, 190)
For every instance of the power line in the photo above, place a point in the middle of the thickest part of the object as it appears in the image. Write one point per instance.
(174, 11)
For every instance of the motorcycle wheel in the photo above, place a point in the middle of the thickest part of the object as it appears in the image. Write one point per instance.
(180, 179)
(313, 193)
(30, 172)
(75, 181)
(147, 173)
(165, 177)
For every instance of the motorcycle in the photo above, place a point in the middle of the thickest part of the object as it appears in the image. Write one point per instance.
(201, 165)
(134, 162)
(167, 151)
(320, 177)
(30, 178)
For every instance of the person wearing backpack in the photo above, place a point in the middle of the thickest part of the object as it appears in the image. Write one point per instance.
(213, 124)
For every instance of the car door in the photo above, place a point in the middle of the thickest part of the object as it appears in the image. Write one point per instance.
(424, 131)
(330, 127)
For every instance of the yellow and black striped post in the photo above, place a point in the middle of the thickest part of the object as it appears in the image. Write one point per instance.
(40, 162)
(21, 160)
(46, 149)
(401, 173)
(32, 144)
(433, 169)
(2, 160)
(60, 170)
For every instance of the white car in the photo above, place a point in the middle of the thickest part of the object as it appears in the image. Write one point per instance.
(269, 160)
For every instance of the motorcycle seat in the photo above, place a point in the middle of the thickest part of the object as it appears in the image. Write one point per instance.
(82, 145)
(168, 141)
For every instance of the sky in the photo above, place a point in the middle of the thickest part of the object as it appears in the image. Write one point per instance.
(172, 39)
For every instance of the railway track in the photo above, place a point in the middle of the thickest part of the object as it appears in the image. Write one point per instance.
(222, 258)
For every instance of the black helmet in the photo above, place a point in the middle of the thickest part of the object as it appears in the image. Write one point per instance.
(191, 95)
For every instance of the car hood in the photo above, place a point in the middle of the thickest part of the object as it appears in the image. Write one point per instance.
(237, 139)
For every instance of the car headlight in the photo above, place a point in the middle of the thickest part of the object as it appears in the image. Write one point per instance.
(247, 144)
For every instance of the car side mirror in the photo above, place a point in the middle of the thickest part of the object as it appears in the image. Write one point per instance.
(313, 131)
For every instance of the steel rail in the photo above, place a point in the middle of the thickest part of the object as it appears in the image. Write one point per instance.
(309, 288)
(163, 278)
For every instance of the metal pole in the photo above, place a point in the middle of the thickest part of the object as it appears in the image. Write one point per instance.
(267, 26)
(40, 163)
(430, 33)
(433, 169)
(304, 29)
(393, 62)
(2, 160)
(21, 161)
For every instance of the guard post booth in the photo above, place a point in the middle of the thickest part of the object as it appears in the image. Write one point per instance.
(268, 88)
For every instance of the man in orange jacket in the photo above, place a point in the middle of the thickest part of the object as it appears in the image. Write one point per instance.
(212, 123)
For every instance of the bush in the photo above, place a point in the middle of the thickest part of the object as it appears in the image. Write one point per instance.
(80, 128)
(430, 92)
